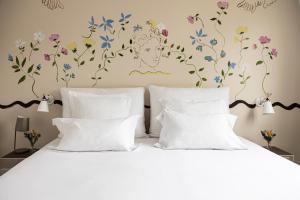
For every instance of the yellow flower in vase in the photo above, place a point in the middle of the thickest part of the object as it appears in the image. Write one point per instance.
(72, 46)
(89, 42)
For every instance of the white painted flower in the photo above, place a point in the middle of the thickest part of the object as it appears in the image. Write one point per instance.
(20, 44)
(161, 27)
(38, 36)
(245, 67)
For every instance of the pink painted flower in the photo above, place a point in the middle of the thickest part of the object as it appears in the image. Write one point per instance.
(274, 52)
(254, 46)
(223, 4)
(165, 32)
(264, 39)
(190, 19)
(54, 37)
(64, 51)
(47, 57)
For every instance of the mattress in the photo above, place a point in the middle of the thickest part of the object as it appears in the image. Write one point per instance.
(150, 173)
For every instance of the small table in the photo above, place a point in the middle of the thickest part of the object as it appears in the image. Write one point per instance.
(11, 159)
(282, 153)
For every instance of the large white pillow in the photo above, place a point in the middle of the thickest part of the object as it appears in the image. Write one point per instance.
(85, 105)
(137, 100)
(183, 131)
(96, 134)
(184, 94)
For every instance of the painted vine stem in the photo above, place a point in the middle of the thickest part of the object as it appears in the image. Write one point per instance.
(24, 66)
(179, 52)
(244, 77)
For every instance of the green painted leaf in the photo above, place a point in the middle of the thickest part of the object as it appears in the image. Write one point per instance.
(15, 67)
(222, 72)
(30, 69)
(201, 69)
(204, 79)
(198, 83)
(259, 62)
(17, 61)
(37, 73)
(213, 19)
(120, 54)
(92, 58)
(82, 62)
(17, 70)
(22, 79)
(190, 57)
(23, 62)
(191, 72)
(36, 49)
(230, 74)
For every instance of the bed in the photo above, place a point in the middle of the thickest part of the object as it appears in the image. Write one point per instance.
(150, 173)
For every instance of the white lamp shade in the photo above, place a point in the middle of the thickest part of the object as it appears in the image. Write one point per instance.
(43, 106)
(268, 108)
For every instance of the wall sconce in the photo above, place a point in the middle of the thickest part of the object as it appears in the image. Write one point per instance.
(266, 104)
(45, 102)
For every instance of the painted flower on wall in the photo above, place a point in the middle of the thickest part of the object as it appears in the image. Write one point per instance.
(106, 23)
(223, 4)
(106, 42)
(213, 42)
(152, 23)
(47, 57)
(190, 19)
(124, 17)
(39, 36)
(89, 42)
(10, 58)
(20, 44)
(274, 52)
(54, 37)
(137, 28)
(217, 79)
(72, 46)
(64, 51)
(67, 66)
(241, 30)
(264, 39)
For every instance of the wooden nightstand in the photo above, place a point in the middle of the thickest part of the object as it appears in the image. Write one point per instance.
(282, 153)
(11, 159)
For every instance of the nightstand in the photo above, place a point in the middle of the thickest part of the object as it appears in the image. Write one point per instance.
(11, 159)
(282, 153)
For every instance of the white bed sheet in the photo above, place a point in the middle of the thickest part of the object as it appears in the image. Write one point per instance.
(149, 173)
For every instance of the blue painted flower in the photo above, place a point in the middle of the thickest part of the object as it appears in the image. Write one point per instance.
(67, 66)
(217, 79)
(39, 67)
(137, 28)
(208, 58)
(200, 33)
(199, 48)
(232, 65)
(222, 54)
(106, 23)
(106, 44)
(92, 23)
(10, 58)
(213, 42)
(124, 17)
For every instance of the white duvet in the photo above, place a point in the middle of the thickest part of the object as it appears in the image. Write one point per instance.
(149, 173)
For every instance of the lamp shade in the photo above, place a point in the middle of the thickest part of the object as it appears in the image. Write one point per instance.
(268, 108)
(43, 106)
(22, 124)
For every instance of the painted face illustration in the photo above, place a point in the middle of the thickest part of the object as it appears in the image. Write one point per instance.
(150, 53)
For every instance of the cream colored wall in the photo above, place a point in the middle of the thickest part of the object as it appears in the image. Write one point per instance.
(20, 19)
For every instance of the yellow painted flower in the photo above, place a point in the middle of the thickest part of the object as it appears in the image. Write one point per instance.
(72, 46)
(88, 42)
(241, 29)
(152, 23)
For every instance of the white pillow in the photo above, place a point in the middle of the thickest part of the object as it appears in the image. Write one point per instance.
(194, 107)
(184, 94)
(84, 105)
(183, 131)
(137, 100)
(95, 134)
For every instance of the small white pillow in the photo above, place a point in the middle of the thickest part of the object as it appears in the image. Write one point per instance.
(95, 134)
(183, 131)
(184, 94)
(84, 105)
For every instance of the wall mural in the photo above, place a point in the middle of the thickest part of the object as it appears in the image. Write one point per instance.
(252, 5)
(147, 45)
